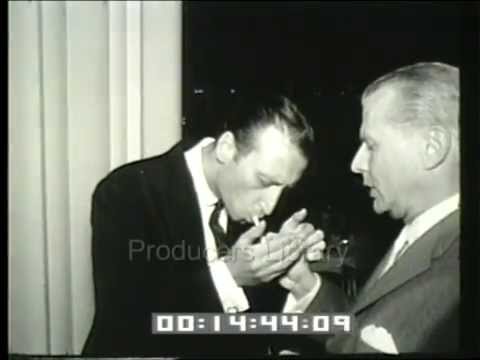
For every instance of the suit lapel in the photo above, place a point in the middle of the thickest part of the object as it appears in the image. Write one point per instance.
(416, 259)
(168, 187)
(375, 274)
(186, 218)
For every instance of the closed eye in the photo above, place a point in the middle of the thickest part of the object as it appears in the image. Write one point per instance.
(370, 146)
(266, 182)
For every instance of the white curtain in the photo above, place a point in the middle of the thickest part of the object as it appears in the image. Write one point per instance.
(92, 85)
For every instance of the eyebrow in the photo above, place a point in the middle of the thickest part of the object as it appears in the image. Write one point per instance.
(268, 179)
(365, 137)
(362, 138)
(361, 134)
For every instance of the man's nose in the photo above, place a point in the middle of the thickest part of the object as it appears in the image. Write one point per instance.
(360, 161)
(271, 200)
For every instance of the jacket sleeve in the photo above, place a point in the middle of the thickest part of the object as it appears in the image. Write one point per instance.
(112, 251)
(120, 265)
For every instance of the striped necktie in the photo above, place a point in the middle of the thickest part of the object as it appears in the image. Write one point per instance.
(217, 230)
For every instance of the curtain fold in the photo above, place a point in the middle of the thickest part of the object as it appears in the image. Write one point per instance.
(92, 85)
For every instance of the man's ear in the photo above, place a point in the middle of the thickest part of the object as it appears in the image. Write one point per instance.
(437, 146)
(225, 148)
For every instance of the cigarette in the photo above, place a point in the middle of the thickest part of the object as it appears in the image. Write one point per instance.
(256, 221)
(263, 240)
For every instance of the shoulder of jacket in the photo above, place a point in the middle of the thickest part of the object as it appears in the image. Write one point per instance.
(127, 174)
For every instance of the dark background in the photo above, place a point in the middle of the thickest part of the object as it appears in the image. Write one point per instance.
(322, 55)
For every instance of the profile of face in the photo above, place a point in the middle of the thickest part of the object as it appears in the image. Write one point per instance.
(250, 183)
(389, 157)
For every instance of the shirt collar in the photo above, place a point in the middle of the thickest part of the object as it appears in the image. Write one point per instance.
(425, 221)
(193, 156)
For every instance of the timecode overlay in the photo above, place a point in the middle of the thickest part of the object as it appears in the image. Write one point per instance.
(251, 323)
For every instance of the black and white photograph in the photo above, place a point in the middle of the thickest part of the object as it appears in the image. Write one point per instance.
(242, 179)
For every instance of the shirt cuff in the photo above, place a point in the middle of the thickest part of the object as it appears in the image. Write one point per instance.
(231, 295)
(294, 306)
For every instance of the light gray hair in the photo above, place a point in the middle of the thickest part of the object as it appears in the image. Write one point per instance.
(430, 93)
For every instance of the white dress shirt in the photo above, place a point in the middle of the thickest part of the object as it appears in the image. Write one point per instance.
(231, 295)
(420, 225)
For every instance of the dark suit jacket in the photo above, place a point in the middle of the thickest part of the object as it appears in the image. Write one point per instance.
(141, 213)
(416, 301)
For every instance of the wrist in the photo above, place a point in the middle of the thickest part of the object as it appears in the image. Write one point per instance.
(304, 286)
(230, 266)
(235, 272)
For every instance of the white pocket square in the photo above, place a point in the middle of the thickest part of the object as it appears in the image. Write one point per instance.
(378, 338)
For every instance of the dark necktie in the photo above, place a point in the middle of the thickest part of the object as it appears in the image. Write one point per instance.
(217, 230)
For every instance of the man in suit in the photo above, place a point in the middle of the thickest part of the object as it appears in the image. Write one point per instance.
(409, 160)
(159, 234)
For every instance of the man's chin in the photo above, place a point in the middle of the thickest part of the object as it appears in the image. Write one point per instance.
(238, 219)
(245, 221)
(392, 213)
(378, 208)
